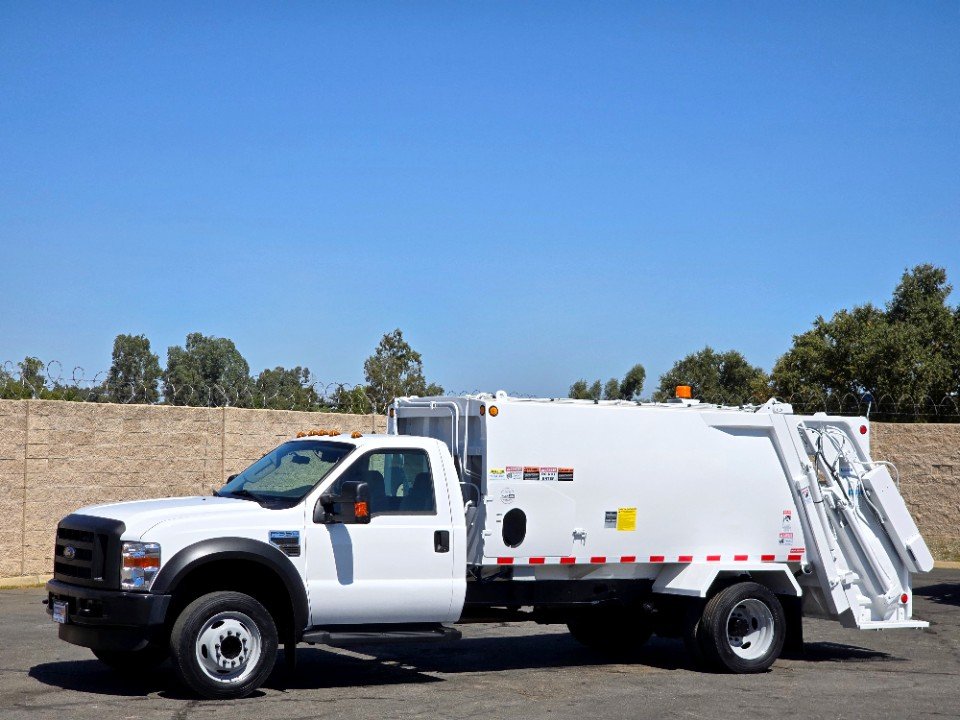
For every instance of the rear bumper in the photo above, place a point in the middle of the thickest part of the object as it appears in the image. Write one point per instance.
(108, 619)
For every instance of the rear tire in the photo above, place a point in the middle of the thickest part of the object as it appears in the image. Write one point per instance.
(224, 645)
(614, 631)
(742, 629)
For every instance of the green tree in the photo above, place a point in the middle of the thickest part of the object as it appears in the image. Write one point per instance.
(394, 370)
(354, 399)
(209, 371)
(581, 391)
(285, 389)
(33, 376)
(715, 377)
(611, 390)
(910, 350)
(30, 380)
(632, 384)
(627, 389)
(134, 373)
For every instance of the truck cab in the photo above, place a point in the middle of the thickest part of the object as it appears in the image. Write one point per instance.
(322, 534)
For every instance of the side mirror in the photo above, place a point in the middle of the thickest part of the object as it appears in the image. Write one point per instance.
(350, 507)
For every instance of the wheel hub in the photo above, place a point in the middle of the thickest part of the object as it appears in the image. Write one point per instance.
(750, 629)
(228, 647)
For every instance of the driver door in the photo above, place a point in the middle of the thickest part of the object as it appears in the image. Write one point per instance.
(399, 567)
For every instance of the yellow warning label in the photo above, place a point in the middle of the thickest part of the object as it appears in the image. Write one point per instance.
(627, 518)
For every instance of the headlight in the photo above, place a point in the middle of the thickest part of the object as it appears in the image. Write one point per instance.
(139, 564)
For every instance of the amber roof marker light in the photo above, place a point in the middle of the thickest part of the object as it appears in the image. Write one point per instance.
(493, 411)
(684, 392)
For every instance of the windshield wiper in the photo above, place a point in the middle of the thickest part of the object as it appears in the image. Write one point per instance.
(241, 493)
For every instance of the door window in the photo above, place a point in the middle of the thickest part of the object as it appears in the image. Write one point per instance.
(400, 482)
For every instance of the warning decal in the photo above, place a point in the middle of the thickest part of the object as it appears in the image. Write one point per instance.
(497, 473)
(786, 538)
(627, 519)
(514, 473)
(565, 474)
(531, 473)
(610, 519)
(548, 473)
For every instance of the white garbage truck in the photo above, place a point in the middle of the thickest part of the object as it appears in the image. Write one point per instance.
(721, 526)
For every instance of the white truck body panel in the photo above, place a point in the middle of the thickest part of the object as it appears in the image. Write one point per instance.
(681, 493)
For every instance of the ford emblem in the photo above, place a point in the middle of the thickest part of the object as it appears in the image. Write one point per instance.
(69, 552)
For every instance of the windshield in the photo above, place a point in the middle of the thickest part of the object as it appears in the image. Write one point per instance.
(286, 474)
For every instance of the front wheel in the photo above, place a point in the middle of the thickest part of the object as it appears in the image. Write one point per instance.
(742, 629)
(224, 645)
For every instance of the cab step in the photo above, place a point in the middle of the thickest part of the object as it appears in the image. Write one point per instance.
(350, 635)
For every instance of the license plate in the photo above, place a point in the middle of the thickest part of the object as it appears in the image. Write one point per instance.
(60, 612)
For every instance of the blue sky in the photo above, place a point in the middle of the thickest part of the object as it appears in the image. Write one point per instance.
(533, 192)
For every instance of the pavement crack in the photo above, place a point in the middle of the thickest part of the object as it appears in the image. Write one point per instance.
(181, 713)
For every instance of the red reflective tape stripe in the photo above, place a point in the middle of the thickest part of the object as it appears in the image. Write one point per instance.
(685, 558)
(713, 558)
(739, 558)
(628, 558)
(537, 561)
(656, 558)
(598, 559)
(768, 558)
(504, 561)
(794, 558)
(567, 560)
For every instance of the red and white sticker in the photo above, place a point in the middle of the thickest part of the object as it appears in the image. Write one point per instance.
(514, 473)
(549, 473)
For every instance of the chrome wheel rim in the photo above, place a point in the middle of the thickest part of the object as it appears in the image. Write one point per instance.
(228, 647)
(750, 629)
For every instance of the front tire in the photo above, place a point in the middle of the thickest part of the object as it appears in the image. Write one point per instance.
(224, 645)
(742, 629)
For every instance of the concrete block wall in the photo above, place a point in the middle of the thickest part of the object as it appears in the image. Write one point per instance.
(58, 456)
(13, 448)
(928, 458)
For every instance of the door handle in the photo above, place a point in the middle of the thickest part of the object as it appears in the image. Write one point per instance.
(441, 541)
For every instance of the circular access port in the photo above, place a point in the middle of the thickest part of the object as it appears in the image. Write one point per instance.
(514, 527)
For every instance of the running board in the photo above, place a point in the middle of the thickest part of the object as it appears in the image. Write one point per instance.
(349, 635)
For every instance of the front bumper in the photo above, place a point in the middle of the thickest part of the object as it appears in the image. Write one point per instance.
(108, 619)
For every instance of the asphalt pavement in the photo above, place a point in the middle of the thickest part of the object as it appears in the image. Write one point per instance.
(513, 671)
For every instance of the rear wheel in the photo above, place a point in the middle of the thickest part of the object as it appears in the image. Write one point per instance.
(614, 631)
(224, 645)
(742, 629)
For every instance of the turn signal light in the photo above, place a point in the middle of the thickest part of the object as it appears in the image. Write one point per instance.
(361, 509)
(684, 392)
(494, 411)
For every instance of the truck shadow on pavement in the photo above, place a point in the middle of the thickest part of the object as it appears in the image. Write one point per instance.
(385, 665)
(941, 593)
